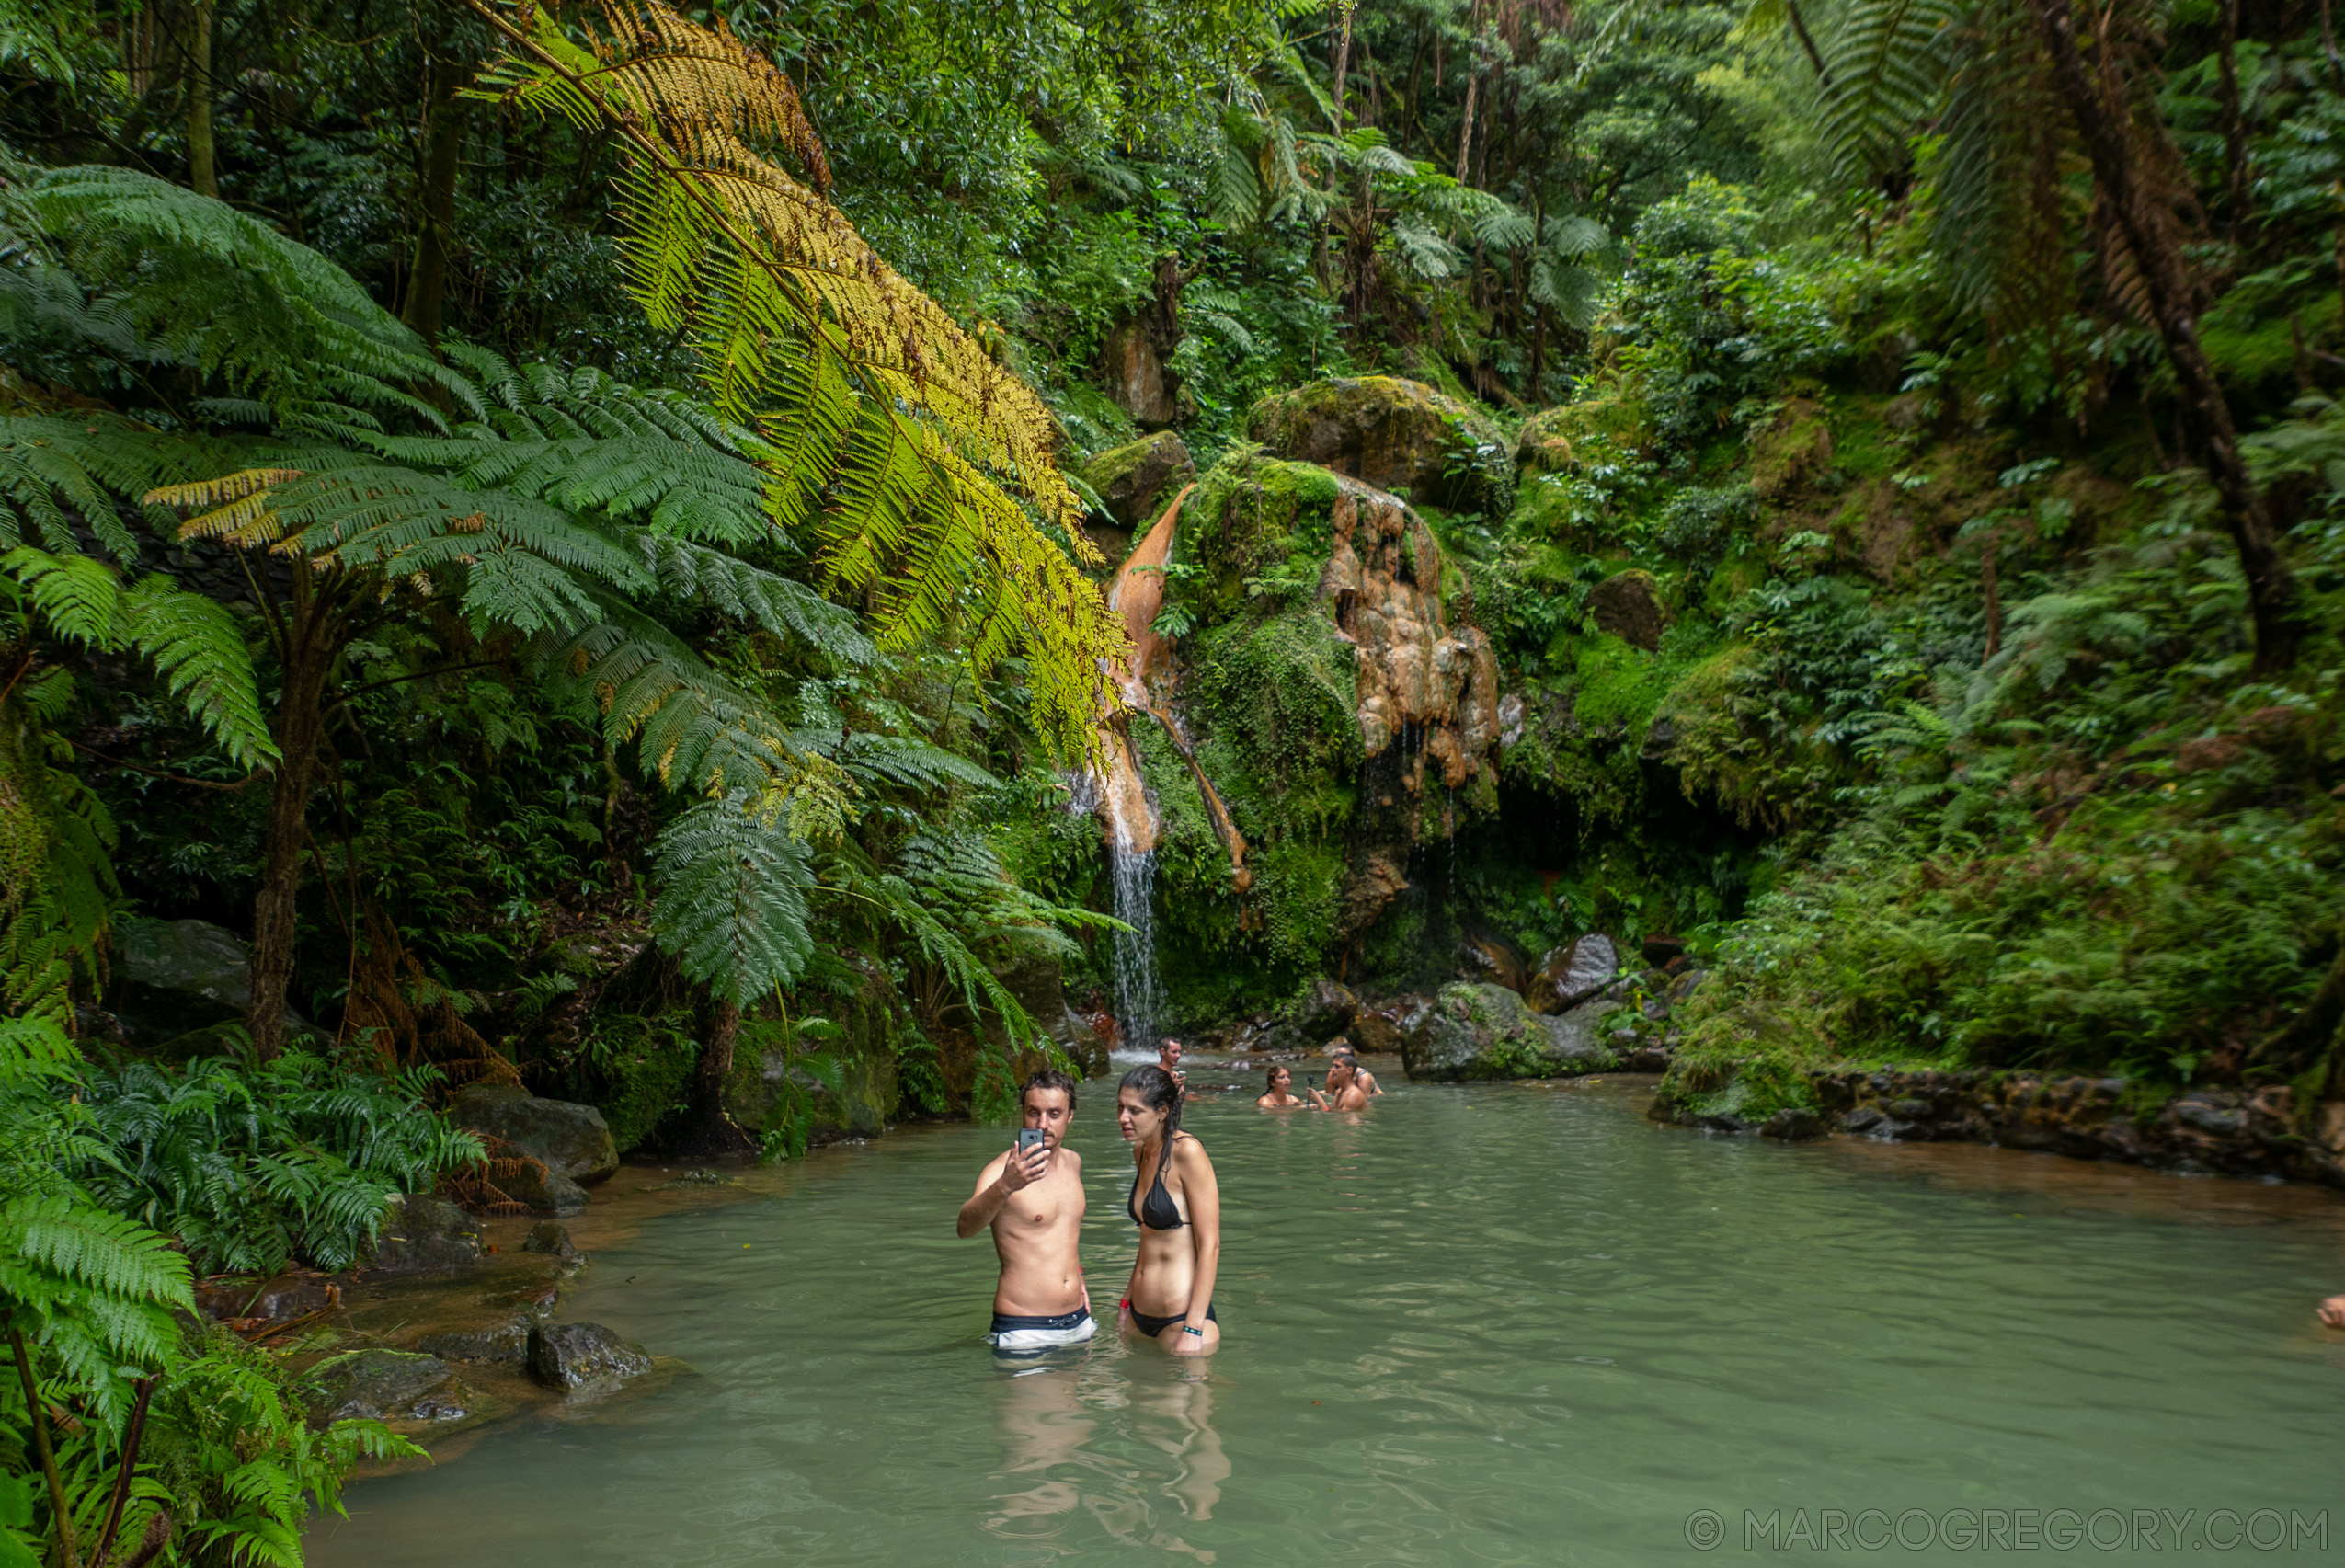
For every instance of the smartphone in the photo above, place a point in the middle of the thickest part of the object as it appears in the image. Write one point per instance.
(1030, 1138)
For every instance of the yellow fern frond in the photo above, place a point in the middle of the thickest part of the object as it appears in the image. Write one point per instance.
(931, 464)
(241, 512)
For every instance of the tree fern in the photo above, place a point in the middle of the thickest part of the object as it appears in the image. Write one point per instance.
(1885, 62)
(200, 284)
(929, 466)
(732, 903)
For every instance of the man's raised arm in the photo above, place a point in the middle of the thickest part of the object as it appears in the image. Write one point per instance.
(1004, 1177)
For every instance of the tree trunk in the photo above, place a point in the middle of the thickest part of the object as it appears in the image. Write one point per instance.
(446, 125)
(2272, 587)
(1466, 136)
(203, 177)
(712, 1131)
(310, 643)
(1343, 59)
(2235, 119)
(1994, 599)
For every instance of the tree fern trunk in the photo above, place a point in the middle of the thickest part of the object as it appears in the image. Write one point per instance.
(448, 121)
(203, 177)
(712, 1132)
(307, 651)
(2272, 587)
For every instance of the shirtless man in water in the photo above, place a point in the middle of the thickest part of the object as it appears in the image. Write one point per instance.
(1342, 1091)
(1034, 1205)
(1360, 1075)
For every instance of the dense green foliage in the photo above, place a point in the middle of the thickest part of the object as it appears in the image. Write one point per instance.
(580, 614)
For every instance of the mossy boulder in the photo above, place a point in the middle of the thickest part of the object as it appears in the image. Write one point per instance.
(861, 1104)
(642, 1074)
(1138, 479)
(1477, 1032)
(571, 1139)
(1397, 435)
(407, 1390)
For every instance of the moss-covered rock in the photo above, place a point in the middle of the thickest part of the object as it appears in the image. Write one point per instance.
(1475, 1032)
(642, 1073)
(1136, 480)
(1397, 435)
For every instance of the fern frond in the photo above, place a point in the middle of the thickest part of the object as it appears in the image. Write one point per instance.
(932, 462)
(779, 604)
(202, 284)
(1886, 63)
(732, 901)
(197, 647)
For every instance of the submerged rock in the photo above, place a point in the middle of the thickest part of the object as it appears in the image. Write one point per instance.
(1476, 1032)
(582, 1356)
(550, 1236)
(386, 1385)
(421, 1233)
(544, 1189)
(572, 1140)
(1396, 435)
(500, 1343)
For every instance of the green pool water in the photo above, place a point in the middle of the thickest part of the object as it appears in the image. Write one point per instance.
(1503, 1325)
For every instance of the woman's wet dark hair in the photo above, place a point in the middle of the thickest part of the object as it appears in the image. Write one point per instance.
(1158, 1091)
(1270, 1076)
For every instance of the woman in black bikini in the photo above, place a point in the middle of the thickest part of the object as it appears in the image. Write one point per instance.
(1177, 1205)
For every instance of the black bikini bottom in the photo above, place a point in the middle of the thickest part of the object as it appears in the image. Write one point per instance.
(1152, 1325)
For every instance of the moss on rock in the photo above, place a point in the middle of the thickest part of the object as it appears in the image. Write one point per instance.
(1400, 436)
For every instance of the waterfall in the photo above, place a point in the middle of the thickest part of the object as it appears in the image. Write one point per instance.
(1139, 995)
(1131, 861)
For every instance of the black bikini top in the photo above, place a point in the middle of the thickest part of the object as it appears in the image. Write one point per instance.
(1157, 1211)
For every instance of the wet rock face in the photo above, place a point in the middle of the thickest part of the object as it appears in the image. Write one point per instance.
(422, 1233)
(572, 1140)
(1476, 1033)
(1417, 676)
(1136, 376)
(1394, 435)
(388, 1385)
(583, 1356)
(1138, 479)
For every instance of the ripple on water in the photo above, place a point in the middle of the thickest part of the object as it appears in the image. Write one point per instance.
(1483, 1325)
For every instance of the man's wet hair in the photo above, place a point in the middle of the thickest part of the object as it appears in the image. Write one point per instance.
(1048, 1078)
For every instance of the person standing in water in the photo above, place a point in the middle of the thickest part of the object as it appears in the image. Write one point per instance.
(1177, 1205)
(1168, 1056)
(1342, 1091)
(1360, 1075)
(1279, 1092)
(1033, 1202)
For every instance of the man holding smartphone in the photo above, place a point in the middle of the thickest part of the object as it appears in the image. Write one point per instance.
(1031, 1196)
